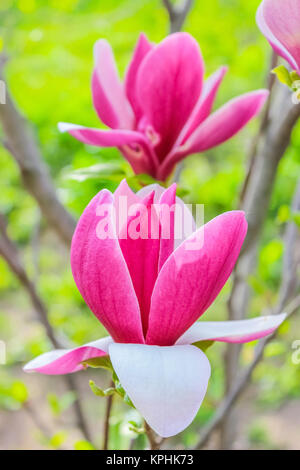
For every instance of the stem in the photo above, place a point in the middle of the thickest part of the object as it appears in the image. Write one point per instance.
(177, 14)
(155, 441)
(108, 409)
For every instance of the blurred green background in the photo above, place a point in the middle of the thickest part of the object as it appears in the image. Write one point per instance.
(49, 44)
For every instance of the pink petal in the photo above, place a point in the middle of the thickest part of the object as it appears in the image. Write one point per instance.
(134, 146)
(205, 103)
(240, 331)
(218, 127)
(185, 224)
(124, 199)
(108, 94)
(101, 273)
(279, 22)
(65, 361)
(167, 206)
(193, 276)
(141, 251)
(142, 48)
(165, 75)
(102, 138)
(166, 385)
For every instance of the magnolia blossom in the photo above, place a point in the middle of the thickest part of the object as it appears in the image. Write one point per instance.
(279, 21)
(149, 293)
(161, 113)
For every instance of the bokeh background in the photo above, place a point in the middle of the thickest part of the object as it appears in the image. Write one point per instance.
(49, 45)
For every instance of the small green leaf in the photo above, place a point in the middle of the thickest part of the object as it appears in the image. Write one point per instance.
(105, 171)
(84, 445)
(133, 426)
(58, 439)
(203, 345)
(19, 391)
(99, 362)
(294, 77)
(283, 75)
(53, 401)
(296, 218)
(284, 213)
(128, 401)
(99, 392)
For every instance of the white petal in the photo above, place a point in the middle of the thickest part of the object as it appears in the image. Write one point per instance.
(166, 384)
(66, 126)
(239, 331)
(159, 190)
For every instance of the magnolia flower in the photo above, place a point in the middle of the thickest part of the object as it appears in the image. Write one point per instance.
(149, 293)
(279, 21)
(161, 113)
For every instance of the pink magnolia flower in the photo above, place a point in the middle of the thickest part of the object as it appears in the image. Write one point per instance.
(161, 113)
(279, 21)
(149, 293)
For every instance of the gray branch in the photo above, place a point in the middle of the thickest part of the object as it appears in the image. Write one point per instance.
(289, 281)
(177, 14)
(272, 142)
(20, 142)
(240, 384)
(9, 251)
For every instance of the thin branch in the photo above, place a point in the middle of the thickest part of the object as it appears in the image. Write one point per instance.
(155, 441)
(291, 262)
(20, 142)
(241, 383)
(271, 79)
(108, 410)
(177, 14)
(271, 147)
(9, 252)
(291, 259)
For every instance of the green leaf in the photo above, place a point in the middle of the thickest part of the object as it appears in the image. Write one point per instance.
(295, 78)
(284, 213)
(84, 445)
(19, 391)
(133, 426)
(58, 439)
(138, 181)
(283, 75)
(203, 345)
(53, 401)
(99, 362)
(107, 171)
(296, 218)
(99, 392)
(128, 401)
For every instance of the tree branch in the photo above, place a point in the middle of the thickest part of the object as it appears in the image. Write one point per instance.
(19, 141)
(108, 410)
(155, 441)
(240, 384)
(9, 252)
(291, 262)
(272, 143)
(177, 14)
(271, 80)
